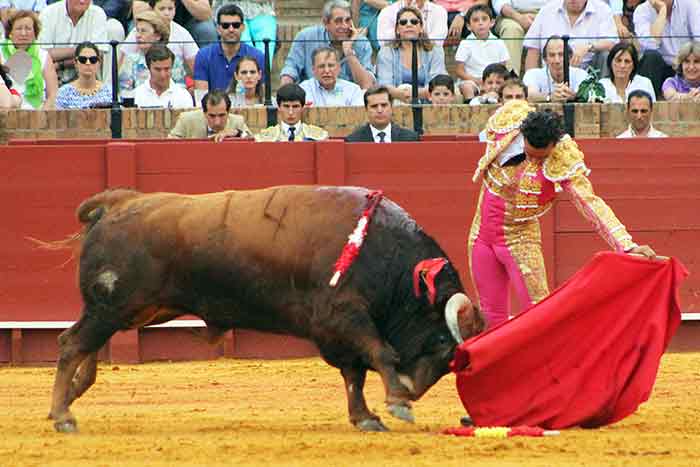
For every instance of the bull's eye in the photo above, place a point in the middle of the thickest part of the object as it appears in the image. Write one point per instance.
(443, 339)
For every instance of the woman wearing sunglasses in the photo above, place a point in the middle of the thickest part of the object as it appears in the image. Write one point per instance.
(394, 60)
(151, 28)
(86, 91)
(37, 84)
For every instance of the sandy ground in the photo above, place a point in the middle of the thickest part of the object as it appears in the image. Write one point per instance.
(292, 412)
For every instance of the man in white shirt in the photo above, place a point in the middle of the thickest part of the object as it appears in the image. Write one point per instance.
(547, 83)
(67, 23)
(160, 90)
(639, 116)
(434, 20)
(325, 89)
(589, 23)
(379, 128)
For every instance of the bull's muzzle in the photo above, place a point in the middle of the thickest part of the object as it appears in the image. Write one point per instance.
(462, 317)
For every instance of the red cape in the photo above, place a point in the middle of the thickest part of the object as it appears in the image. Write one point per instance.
(586, 355)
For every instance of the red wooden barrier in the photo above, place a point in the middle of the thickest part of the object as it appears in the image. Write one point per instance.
(653, 189)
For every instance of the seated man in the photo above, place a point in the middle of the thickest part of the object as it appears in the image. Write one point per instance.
(160, 90)
(434, 16)
(589, 23)
(325, 89)
(441, 90)
(512, 89)
(291, 99)
(492, 79)
(639, 115)
(215, 64)
(547, 83)
(379, 128)
(337, 31)
(67, 23)
(214, 120)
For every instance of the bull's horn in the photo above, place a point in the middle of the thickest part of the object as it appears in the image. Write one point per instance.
(454, 305)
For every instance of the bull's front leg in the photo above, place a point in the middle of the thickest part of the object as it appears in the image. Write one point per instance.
(384, 360)
(360, 415)
(85, 377)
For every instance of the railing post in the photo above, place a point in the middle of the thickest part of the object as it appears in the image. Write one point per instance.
(569, 109)
(270, 110)
(116, 112)
(415, 107)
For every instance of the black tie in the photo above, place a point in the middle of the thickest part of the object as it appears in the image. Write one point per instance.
(381, 135)
(291, 133)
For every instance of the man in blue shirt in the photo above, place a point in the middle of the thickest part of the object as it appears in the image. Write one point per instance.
(337, 31)
(215, 64)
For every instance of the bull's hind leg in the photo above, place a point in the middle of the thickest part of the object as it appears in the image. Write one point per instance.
(360, 415)
(76, 344)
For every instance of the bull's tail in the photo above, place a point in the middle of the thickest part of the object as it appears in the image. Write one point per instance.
(89, 213)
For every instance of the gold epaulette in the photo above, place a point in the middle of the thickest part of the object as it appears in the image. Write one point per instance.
(565, 161)
(271, 133)
(315, 133)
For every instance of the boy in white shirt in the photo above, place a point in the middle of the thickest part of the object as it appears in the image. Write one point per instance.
(480, 49)
(493, 78)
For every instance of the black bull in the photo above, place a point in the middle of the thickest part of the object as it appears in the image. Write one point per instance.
(262, 260)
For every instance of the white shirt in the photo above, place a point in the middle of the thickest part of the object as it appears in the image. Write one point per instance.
(653, 133)
(175, 97)
(477, 54)
(345, 93)
(57, 28)
(518, 5)
(387, 133)
(541, 79)
(434, 22)
(180, 42)
(286, 127)
(638, 83)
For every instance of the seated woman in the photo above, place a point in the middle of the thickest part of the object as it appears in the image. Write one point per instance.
(246, 88)
(180, 40)
(86, 91)
(9, 97)
(622, 63)
(38, 84)
(685, 86)
(394, 60)
(151, 28)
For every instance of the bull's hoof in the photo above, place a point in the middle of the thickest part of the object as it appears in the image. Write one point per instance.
(67, 426)
(371, 424)
(402, 412)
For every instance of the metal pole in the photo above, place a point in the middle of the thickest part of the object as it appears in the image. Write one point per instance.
(116, 111)
(271, 111)
(415, 107)
(569, 110)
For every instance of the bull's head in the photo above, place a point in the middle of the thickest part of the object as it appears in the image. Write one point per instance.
(452, 318)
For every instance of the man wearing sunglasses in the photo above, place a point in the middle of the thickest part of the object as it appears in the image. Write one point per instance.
(215, 64)
(339, 32)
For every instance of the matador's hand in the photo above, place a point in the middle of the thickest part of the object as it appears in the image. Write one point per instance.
(643, 250)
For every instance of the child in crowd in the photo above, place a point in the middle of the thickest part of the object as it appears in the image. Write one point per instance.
(441, 90)
(492, 79)
(480, 49)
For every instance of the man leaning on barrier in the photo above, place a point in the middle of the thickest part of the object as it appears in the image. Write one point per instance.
(213, 121)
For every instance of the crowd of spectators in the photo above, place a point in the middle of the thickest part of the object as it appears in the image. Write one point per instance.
(174, 52)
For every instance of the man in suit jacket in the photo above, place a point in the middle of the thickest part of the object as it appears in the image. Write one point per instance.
(291, 99)
(214, 120)
(379, 128)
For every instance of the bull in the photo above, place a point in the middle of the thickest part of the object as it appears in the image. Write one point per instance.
(262, 260)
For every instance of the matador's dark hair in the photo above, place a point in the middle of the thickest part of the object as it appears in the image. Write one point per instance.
(542, 128)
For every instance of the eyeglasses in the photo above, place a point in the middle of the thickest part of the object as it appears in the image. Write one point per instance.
(342, 20)
(413, 21)
(83, 59)
(227, 25)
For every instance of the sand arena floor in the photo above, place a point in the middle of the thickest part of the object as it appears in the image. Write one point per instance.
(243, 412)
